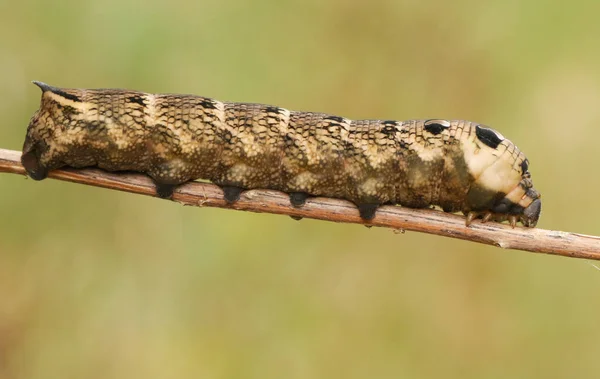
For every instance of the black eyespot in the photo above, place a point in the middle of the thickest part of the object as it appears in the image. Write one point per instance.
(136, 99)
(524, 166)
(271, 109)
(490, 137)
(435, 127)
(208, 104)
(337, 119)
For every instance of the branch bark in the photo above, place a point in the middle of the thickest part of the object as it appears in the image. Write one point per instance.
(419, 220)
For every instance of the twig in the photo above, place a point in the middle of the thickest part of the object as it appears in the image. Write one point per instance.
(427, 221)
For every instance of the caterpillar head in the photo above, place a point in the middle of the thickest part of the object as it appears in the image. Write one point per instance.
(502, 183)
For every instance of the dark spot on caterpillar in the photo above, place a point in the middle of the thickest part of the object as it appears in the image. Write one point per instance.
(271, 109)
(367, 211)
(335, 118)
(389, 123)
(488, 136)
(136, 100)
(435, 127)
(296, 218)
(231, 193)
(524, 166)
(388, 131)
(298, 198)
(208, 104)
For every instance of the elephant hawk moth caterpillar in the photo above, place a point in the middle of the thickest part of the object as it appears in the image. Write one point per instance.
(454, 164)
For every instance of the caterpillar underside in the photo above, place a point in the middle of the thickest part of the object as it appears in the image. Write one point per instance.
(454, 164)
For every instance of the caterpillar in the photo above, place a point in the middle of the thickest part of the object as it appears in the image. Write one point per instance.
(457, 165)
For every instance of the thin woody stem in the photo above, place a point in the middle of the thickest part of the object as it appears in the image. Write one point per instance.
(399, 218)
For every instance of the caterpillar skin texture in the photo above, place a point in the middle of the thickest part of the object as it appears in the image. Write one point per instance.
(456, 165)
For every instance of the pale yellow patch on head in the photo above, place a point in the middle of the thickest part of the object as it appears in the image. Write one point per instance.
(500, 175)
(477, 155)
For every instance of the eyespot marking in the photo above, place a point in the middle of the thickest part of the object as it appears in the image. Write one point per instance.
(335, 118)
(271, 109)
(136, 99)
(435, 127)
(208, 104)
(488, 136)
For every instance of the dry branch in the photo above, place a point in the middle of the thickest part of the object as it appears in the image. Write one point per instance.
(427, 221)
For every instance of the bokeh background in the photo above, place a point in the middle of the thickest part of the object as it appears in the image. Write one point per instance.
(102, 284)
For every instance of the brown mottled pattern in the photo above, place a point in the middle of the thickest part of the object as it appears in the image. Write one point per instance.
(177, 138)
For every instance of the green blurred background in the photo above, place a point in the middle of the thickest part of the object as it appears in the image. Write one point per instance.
(102, 284)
